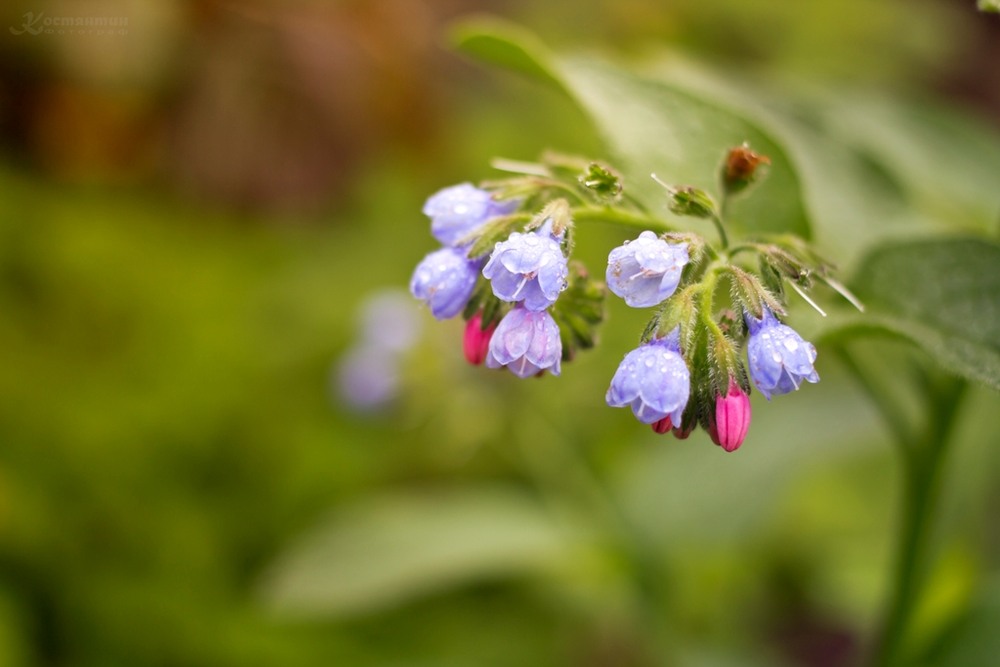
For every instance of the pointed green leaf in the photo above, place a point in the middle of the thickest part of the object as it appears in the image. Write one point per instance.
(388, 550)
(653, 127)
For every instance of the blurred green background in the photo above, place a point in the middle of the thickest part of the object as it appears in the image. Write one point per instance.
(198, 202)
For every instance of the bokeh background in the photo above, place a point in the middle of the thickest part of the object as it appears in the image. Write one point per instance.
(209, 212)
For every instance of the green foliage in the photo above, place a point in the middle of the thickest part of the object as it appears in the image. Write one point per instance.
(653, 127)
(391, 549)
(942, 294)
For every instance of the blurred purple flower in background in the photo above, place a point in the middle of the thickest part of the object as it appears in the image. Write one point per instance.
(367, 376)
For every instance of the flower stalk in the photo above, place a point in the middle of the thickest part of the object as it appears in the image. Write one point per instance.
(508, 261)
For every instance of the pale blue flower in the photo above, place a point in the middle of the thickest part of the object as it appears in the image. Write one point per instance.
(367, 378)
(647, 270)
(779, 359)
(445, 280)
(459, 210)
(527, 268)
(653, 380)
(526, 342)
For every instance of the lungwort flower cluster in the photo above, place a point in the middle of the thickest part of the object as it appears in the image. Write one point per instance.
(505, 267)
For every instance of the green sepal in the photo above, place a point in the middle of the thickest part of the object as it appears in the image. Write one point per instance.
(525, 188)
(603, 181)
(483, 300)
(750, 294)
(579, 310)
(497, 229)
(565, 166)
(701, 401)
(680, 310)
(989, 6)
(723, 364)
(558, 211)
(771, 279)
(691, 201)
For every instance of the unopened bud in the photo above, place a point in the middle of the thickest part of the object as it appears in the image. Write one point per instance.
(603, 181)
(742, 168)
(689, 200)
(476, 342)
(662, 426)
(728, 426)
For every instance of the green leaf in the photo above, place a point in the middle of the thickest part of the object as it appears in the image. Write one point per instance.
(652, 127)
(503, 43)
(943, 294)
(387, 550)
(945, 161)
(852, 201)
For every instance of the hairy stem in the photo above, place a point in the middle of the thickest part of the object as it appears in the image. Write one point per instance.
(620, 217)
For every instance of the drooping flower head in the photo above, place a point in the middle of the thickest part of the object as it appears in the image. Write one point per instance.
(730, 422)
(528, 268)
(459, 210)
(779, 359)
(654, 381)
(647, 270)
(526, 342)
(445, 280)
(476, 342)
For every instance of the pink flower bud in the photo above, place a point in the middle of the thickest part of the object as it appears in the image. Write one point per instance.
(662, 426)
(476, 342)
(728, 427)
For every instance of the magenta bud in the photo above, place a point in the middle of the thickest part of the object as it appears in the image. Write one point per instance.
(662, 426)
(729, 425)
(476, 342)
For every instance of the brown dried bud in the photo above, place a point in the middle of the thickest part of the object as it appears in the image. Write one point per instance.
(741, 168)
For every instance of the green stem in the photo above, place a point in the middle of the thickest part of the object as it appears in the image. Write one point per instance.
(563, 471)
(620, 217)
(922, 463)
(720, 216)
(707, 288)
(721, 229)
